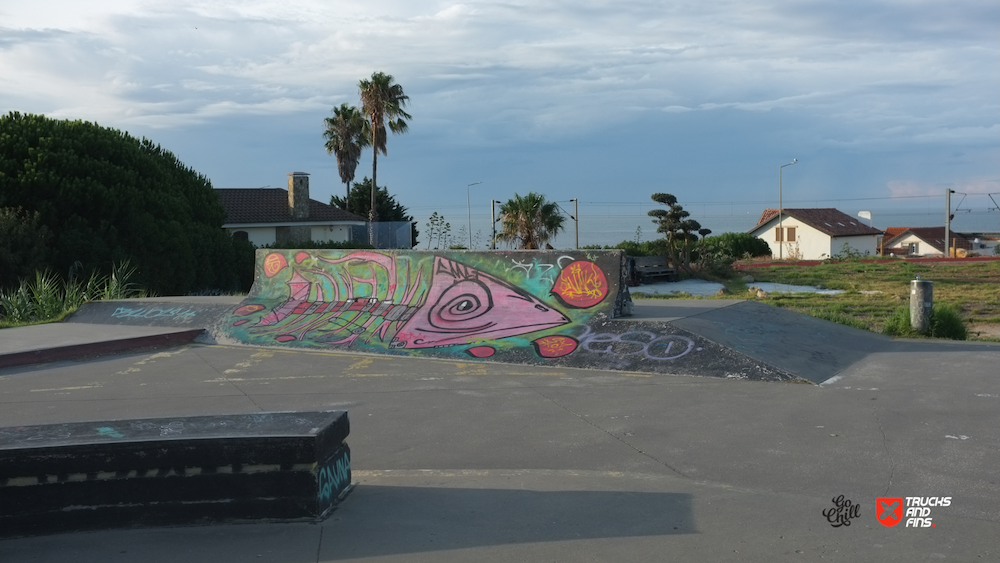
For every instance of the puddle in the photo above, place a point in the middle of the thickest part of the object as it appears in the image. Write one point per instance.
(702, 288)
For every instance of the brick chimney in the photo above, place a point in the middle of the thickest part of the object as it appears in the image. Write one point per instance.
(298, 195)
(298, 209)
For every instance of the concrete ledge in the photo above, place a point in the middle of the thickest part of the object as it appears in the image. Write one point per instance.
(186, 470)
(101, 344)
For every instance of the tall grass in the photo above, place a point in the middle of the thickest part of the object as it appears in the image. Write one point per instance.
(945, 322)
(47, 297)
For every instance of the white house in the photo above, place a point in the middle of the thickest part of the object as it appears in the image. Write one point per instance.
(923, 241)
(270, 215)
(814, 234)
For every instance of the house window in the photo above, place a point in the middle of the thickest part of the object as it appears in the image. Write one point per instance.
(241, 235)
(791, 234)
(777, 234)
(914, 248)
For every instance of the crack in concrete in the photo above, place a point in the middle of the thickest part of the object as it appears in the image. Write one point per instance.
(227, 380)
(892, 463)
(609, 433)
(319, 545)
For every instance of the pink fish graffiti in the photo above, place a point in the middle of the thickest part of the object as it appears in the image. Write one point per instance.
(466, 305)
(461, 305)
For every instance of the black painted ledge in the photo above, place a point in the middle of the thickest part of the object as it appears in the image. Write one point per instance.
(172, 471)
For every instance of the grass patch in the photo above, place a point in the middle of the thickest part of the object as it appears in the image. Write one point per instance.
(964, 292)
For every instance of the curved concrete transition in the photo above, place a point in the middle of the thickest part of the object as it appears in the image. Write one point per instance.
(533, 307)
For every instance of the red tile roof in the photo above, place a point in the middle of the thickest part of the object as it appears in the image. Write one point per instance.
(933, 236)
(824, 219)
(270, 205)
(892, 232)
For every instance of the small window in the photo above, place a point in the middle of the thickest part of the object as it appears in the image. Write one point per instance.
(777, 234)
(241, 235)
(914, 248)
(790, 234)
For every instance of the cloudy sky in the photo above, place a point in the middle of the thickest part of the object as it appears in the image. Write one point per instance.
(885, 103)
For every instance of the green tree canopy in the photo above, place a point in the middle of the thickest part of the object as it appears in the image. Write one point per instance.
(108, 197)
(529, 221)
(347, 132)
(24, 245)
(681, 233)
(382, 102)
(386, 205)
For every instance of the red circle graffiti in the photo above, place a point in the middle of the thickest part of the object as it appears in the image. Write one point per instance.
(274, 263)
(300, 257)
(581, 284)
(248, 309)
(481, 351)
(555, 346)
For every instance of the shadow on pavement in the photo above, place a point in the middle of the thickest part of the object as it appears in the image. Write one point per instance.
(389, 520)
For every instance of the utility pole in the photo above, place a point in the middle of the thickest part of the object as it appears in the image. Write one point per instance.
(576, 222)
(947, 221)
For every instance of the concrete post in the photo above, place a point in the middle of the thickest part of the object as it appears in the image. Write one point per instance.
(921, 302)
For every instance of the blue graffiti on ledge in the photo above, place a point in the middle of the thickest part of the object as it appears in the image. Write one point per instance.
(334, 477)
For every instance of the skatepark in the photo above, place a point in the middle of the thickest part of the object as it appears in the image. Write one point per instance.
(691, 430)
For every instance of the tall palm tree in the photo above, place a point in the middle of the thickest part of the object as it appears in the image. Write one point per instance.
(382, 100)
(529, 221)
(346, 134)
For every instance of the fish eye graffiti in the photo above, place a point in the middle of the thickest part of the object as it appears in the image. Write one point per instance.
(471, 304)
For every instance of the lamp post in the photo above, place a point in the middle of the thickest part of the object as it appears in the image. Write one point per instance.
(468, 200)
(493, 218)
(781, 232)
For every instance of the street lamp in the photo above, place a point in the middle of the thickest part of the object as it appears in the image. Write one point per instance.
(781, 233)
(468, 200)
(493, 217)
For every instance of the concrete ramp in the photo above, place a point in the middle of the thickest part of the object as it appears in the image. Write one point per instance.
(811, 348)
(187, 312)
(559, 308)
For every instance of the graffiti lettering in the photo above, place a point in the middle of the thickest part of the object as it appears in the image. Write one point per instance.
(153, 313)
(649, 344)
(543, 272)
(333, 478)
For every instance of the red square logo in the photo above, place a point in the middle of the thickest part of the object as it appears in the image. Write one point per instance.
(889, 510)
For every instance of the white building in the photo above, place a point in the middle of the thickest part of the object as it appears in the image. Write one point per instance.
(270, 215)
(814, 234)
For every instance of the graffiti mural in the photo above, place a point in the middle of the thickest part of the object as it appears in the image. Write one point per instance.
(532, 305)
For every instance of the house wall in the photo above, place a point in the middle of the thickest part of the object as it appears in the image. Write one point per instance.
(336, 233)
(924, 248)
(809, 244)
(259, 236)
(865, 244)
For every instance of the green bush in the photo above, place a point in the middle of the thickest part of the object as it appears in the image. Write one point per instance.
(48, 297)
(945, 322)
(106, 197)
(737, 245)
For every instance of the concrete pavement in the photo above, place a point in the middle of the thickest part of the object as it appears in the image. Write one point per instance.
(459, 461)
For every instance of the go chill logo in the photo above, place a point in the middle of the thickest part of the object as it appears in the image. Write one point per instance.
(889, 511)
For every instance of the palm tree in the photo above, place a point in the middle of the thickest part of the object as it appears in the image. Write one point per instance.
(382, 100)
(529, 221)
(346, 134)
